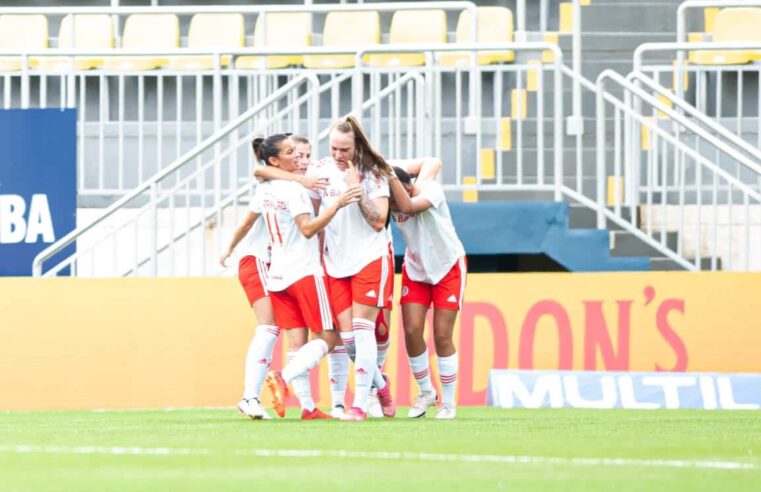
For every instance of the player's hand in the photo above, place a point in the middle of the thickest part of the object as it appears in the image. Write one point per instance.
(350, 195)
(313, 183)
(223, 259)
(351, 176)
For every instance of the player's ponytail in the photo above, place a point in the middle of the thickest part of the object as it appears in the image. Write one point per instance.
(264, 148)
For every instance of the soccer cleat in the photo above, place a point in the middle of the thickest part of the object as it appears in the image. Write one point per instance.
(337, 412)
(354, 413)
(374, 409)
(275, 383)
(386, 400)
(314, 414)
(446, 412)
(423, 401)
(253, 408)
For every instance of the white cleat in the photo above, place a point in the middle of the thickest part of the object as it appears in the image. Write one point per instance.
(253, 408)
(446, 412)
(374, 409)
(338, 412)
(424, 400)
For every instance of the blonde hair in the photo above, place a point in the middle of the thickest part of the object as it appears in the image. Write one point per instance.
(365, 155)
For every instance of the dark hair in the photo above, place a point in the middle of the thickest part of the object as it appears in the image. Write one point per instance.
(299, 139)
(367, 158)
(404, 176)
(264, 148)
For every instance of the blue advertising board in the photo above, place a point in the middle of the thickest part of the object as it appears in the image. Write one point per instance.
(38, 188)
(629, 390)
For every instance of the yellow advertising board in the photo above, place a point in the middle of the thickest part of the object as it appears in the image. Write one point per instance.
(155, 343)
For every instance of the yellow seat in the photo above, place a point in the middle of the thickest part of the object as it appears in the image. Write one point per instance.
(284, 30)
(350, 29)
(212, 31)
(20, 33)
(89, 32)
(733, 25)
(495, 25)
(146, 32)
(412, 27)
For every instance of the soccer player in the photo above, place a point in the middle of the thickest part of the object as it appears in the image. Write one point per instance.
(434, 272)
(296, 284)
(252, 273)
(356, 255)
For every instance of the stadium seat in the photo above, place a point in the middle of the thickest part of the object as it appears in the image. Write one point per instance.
(21, 32)
(495, 25)
(94, 31)
(350, 29)
(284, 30)
(412, 27)
(211, 31)
(733, 24)
(146, 32)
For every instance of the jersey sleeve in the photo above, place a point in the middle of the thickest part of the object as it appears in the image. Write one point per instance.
(376, 187)
(433, 192)
(256, 201)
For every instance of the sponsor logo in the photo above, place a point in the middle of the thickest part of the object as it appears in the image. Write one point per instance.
(27, 223)
(636, 390)
(405, 291)
(371, 293)
(360, 371)
(452, 298)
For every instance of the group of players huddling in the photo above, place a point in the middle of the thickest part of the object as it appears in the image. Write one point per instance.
(319, 258)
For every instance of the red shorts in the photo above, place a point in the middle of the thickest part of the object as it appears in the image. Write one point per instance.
(252, 273)
(303, 304)
(391, 259)
(370, 286)
(447, 294)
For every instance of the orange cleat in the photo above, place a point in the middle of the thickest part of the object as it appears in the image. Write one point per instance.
(315, 414)
(276, 384)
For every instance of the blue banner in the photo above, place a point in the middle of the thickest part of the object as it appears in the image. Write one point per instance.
(630, 390)
(38, 187)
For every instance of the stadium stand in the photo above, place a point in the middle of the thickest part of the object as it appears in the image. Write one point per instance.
(224, 31)
(21, 32)
(146, 32)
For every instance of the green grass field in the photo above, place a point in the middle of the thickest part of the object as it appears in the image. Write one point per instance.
(484, 449)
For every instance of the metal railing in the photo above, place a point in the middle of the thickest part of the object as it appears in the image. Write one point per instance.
(172, 212)
(668, 176)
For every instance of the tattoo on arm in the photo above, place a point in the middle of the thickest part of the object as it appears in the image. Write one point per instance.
(369, 211)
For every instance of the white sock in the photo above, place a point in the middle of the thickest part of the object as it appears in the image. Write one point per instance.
(348, 340)
(448, 378)
(378, 380)
(383, 351)
(301, 386)
(304, 359)
(338, 372)
(364, 364)
(258, 359)
(421, 372)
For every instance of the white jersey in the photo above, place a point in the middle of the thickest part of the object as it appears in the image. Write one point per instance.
(432, 243)
(256, 243)
(350, 242)
(293, 255)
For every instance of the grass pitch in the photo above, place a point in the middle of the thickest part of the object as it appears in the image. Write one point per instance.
(484, 449)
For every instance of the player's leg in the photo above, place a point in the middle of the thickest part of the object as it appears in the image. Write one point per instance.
(259, 354)
(447, 302)
(416, 297)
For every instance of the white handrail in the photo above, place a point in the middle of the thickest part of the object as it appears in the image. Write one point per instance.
(684, 121)
(181, 161)
(702, 118)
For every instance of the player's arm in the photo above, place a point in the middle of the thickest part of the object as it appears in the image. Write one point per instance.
(374, 210)
(424, 168)
(238, 235)
(311, 226)
(405, 203)
(266, 173)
